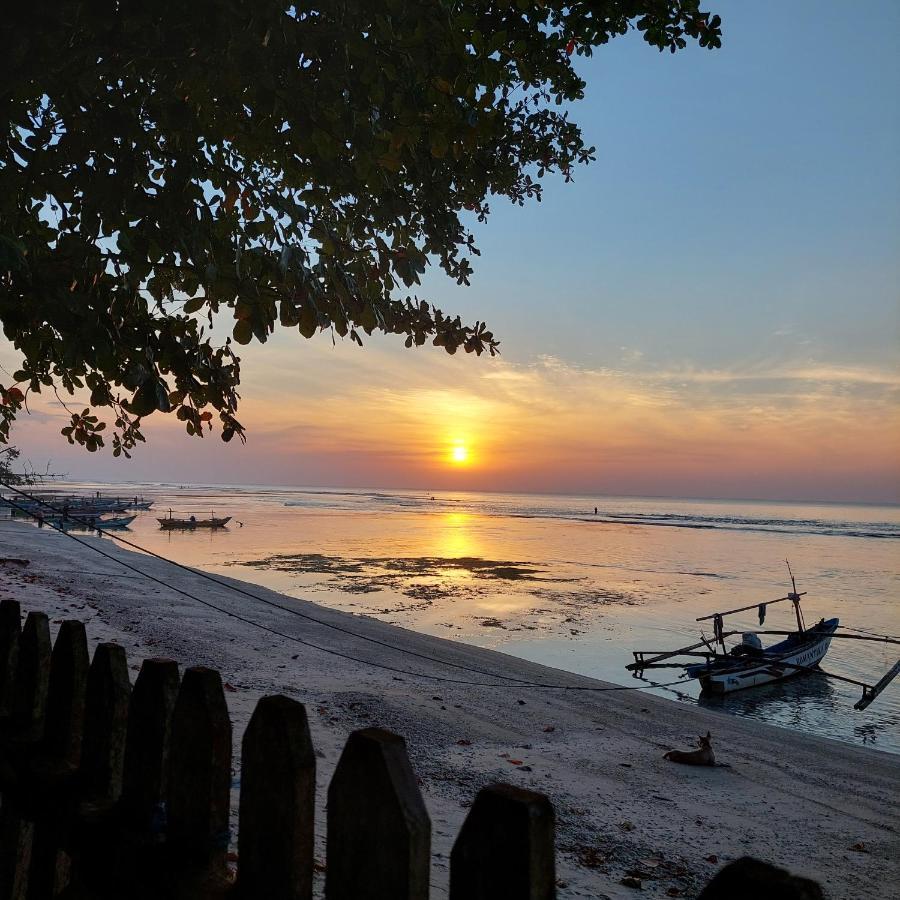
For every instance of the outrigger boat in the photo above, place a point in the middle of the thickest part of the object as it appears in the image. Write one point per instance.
(89, 522)
(749, 664)
(171, 523)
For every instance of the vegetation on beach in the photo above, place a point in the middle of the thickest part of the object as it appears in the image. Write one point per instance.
(173, 169)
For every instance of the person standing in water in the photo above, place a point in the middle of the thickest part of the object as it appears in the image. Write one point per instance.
(595, 510)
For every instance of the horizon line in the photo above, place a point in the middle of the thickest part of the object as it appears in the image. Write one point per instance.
(334, 488)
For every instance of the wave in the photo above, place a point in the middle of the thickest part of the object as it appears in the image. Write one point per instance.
(879, 531)
(621, 512)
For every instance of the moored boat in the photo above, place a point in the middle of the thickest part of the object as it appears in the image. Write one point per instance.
(74, 520)
(117, 522)
(192, 522)
(749, 664)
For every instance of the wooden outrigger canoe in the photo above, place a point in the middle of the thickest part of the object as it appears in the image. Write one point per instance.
(89, 521)
(749, 664)
(191, 523)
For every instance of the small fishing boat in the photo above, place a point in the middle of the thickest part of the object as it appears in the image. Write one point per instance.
(69, 507)
(748, 664)
(116, 522)
(90, 522)
(171, 523)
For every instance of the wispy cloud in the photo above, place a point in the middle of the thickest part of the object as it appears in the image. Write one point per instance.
(318, 413)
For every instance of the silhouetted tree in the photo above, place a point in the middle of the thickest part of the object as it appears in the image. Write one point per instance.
(170, 166)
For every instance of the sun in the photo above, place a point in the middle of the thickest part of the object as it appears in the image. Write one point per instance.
(459, 454)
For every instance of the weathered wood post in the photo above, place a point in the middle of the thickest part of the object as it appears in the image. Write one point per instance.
(64, 727)
(32, 679)
(505, 848)
(105, 724)
(749, 879)
(277, 807)
(10, 633)
(126, 749)
(16, 833)
(379, 833)
(16, 839)
(146, 763)
(200, 773)
(55, 767)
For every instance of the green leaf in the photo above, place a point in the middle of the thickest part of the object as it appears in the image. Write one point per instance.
(243, 331)
(144, 400)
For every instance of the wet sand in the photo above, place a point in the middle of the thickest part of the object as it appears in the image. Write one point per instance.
(795, 800)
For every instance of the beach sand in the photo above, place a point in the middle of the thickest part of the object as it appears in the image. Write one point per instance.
(797, 801)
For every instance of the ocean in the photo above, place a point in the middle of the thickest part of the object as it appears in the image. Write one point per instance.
(548, 579)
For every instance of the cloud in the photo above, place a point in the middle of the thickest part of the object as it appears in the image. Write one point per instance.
(323, 414)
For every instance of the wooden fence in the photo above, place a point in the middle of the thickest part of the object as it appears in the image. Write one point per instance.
(110, 791)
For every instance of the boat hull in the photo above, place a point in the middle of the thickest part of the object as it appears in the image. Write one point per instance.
(188, 525)
(775, 664)
(88, 522)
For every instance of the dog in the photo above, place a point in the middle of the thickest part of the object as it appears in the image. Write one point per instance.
(704, 756)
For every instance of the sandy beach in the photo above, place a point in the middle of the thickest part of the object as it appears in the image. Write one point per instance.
(797, 801)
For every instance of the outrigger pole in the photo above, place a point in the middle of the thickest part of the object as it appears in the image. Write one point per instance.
(729, 612)
(640, 663)
(881, 639)
(870, 693)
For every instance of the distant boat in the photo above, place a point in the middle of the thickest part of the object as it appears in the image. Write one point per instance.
(50, 508)
(116, 522)
(86, 521)
(57, 504)
(171, 523)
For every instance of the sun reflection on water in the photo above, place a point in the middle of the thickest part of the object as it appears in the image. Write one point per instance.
(456, 539)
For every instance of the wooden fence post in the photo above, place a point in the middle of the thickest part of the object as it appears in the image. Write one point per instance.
(749, 879)
(16, 838)
(64, 727)
(379, 833)
(105, 723)
(32, 678)
(505, 847)
(63, 731)
(147, 743)
(277, 806)
(10, 633)
(200, 772)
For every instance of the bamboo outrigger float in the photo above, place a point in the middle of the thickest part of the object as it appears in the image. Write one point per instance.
(749, 664)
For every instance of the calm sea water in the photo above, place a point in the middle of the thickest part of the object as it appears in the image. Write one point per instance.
(547, 579)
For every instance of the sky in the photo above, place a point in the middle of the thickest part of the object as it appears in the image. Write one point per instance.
(712, 309)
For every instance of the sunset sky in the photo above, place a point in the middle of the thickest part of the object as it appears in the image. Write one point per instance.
(711, 309)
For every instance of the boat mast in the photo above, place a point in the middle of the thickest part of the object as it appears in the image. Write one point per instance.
(794, 597)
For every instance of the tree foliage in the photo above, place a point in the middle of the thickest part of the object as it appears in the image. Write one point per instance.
(170, 168)
(24, 473)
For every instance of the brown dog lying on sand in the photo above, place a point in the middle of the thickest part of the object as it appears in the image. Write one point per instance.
(702, 757)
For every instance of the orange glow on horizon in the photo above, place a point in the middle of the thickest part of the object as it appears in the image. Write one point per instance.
(437, 423)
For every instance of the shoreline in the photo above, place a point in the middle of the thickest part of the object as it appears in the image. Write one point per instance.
(791, 799)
